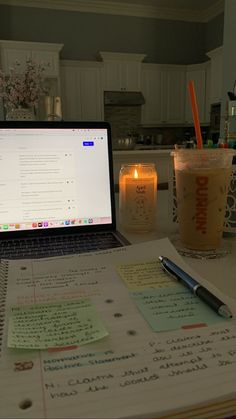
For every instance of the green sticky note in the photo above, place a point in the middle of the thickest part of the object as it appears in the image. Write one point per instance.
(42, 326)
(174, 308)
(140, 276)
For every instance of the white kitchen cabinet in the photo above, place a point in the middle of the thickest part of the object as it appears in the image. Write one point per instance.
(41, 53)
(163, 88)
(216, 57)
(70, 87)
(161, 159)
(151, 111)
(49, 60)
(200, 75)
(173, 94)
(208, 93)
(11, 56)
(122, 72)
(81, 88)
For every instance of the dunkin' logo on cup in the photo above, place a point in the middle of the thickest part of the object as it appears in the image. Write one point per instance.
(201, 203)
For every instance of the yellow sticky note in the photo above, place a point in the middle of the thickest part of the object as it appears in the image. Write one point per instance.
(145, 275)
(42, 326)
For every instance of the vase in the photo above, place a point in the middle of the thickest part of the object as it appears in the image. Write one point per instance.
(20, 114)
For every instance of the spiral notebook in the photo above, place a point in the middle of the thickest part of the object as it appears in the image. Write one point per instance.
(132, 371)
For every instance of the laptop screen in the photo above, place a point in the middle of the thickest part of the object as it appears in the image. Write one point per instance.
(55, 175)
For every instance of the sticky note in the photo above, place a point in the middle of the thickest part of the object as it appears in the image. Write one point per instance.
(173, 308)
(140, 276)
(66, 323)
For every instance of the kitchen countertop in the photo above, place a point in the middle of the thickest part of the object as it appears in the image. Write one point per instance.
(165, 152)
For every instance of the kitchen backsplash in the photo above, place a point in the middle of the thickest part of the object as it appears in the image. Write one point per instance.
(123, 119)
(126, 120)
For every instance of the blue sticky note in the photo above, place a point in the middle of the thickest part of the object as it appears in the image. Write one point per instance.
(173, 308)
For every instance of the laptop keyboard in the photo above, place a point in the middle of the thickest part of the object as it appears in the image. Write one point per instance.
(57, 245)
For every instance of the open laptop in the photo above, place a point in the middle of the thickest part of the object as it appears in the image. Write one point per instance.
(56, 188)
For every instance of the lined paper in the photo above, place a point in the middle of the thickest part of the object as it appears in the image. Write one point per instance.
(133, 372)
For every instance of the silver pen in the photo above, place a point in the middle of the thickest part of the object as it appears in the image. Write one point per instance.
(197, 289)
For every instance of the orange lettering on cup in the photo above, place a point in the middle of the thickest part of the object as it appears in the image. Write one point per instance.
(201, 203)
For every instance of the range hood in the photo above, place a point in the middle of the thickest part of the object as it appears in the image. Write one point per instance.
(123, 98)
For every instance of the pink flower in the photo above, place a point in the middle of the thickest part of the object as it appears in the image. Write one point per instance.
(22, 89)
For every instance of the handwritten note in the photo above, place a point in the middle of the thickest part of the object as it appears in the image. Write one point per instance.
(42, 326)
(173, 308)
(140, 276)
(161, 368)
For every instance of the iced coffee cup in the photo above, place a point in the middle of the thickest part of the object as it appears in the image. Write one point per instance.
(202, 181)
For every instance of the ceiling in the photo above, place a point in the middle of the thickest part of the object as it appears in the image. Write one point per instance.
(189, 10)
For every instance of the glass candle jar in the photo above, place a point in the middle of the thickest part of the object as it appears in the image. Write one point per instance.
(138, 196)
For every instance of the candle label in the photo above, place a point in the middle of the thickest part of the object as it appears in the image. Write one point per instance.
(140, 201)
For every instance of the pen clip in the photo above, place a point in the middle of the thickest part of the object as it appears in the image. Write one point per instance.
(165, 269)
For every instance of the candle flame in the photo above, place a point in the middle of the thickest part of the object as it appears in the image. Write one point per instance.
(135, 173)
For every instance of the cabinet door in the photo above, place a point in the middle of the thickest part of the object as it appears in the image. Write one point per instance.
(208, 94)
(81, 92)
(112, 76)
(151, 89)
(173, 96)
(216, 57)
(216, 79)
(70, 89)
(12, 56)
(130, 76)
(199, 78)
(49, 60)
(122, 76)
(91, 94)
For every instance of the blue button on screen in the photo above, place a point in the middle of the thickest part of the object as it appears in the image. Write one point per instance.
(88, 143)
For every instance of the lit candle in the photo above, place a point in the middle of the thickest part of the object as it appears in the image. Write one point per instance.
(137, 197)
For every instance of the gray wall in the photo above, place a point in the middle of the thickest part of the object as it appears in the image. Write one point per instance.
(214, 33)
(85, 34)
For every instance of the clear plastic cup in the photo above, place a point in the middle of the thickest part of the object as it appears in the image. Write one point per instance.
(202, 181)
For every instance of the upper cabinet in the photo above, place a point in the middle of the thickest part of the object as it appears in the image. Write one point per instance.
(173, 94)
(41, 53)
(199, 73)
(122, 72)
(163, 88)
(216, 57)
(81, 88)
(82, 83)
(151, 87)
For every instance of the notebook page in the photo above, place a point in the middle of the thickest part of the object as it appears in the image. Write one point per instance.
(131, 372)
(157, 376)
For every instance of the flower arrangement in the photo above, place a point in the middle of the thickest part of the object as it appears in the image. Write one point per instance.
(22, 90)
